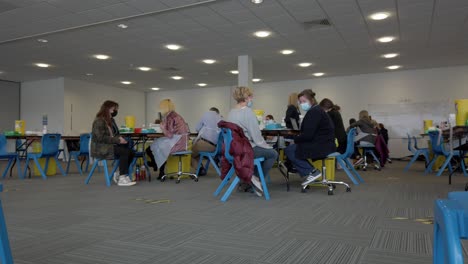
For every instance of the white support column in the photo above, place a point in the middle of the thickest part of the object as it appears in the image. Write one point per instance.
(244, 66)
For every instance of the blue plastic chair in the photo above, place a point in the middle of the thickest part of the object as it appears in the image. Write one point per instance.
(416, 152)
(227, 138)
(83, 152)
(5, 251)
(10, 156)
(107, 176)
(50, 149)
(439, 150)
(210, 156)
(343, 159)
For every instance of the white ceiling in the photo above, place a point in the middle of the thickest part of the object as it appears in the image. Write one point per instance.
(430, 33)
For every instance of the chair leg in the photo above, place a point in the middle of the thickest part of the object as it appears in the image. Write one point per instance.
(95, 164)
(38, 165)
(431, 164)
(26, 165)
(77, 162)
(214, 165)
(10, 161)
(230, 189)
(46, 167)
(413, 159)
(106, 174)
(17, 160)
(375, 158)
(200, 161)
(446, 163)
(68, 163)
(351, 167)
(114, 169)
(258, 164)
(87, 163)
(224, 182)
(346, 169)
(59, 165)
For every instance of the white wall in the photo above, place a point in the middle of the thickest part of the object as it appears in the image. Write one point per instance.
(43, 97)
(85, 99)
(352, 93)
(9, 104)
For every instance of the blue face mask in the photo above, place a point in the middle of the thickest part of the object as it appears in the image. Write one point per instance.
(249, 104)
(270, 121)
(305, 106)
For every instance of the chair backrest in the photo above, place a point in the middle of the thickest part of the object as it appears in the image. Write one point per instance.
(84, 143)
(436, 142)
(350, 144)
(227, 138)
(415, 143)
(219, 144)
(3, 144)
(50, 144)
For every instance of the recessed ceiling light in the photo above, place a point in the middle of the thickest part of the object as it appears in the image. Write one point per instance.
(209, 61)
(101, 56)
(126, 82)
(385, 39)
(201, 84)
(390, 55)
(173, 46)
(155, 88)
(122, 26)
(234, 72)
(257, 2)
(318, 74)
(177, 77)
(42, 65)
(43, 40)
(305, 64)
(394, 67)
(256, 80)
(262, 34)
(89, 74)
(287, 52)
(379, 16)
(144, 68)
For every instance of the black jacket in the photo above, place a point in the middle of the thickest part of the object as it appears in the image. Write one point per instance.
(317, 137)
(340, 132)
(291, 112)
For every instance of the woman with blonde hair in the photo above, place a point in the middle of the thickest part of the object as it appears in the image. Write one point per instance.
(243, 116)
(175, 137)
(292, 111)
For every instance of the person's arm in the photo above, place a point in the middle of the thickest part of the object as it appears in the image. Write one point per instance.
(167, 126)
(201, 122)
(310, 124)
(254, 130)
(100, 135)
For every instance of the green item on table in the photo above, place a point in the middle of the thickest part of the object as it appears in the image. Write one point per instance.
(11, 133)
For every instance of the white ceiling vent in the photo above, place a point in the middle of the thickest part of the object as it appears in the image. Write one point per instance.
(317, 23)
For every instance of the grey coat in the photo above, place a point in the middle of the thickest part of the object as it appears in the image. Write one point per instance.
(102, 140)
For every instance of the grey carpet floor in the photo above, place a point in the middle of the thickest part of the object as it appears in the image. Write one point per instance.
(384, 221)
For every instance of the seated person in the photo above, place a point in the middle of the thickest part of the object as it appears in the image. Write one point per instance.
(315, 141)
(366, 133)
(176, 134)
(207, 138)
(106, 142)
(243, 116)
(272, 140)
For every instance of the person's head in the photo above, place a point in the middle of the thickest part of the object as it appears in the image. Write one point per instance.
(352, 121)
(166, 106)
(364, 115)
(292, 100)
(381, 126)
(243, 96)
(269, 117)
(327, 104)
(307, 99)
(157, 121)
(108, 110)
(214, 109)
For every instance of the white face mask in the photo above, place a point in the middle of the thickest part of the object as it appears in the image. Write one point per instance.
(270, 121)
(306, 106)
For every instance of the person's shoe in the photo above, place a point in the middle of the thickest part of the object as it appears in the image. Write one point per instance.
(123, 181)
(257, 186)
(202, 172)
(312, 177)
(128, 178)
(359, 161)
(116, 177)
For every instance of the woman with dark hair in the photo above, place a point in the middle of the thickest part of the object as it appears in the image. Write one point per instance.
(384, 132)
(334, 114)
(315, 141)
(292, 111)
(106, 142)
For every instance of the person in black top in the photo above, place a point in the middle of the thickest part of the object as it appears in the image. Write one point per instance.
(384, 132)
(334, 114)
(315, 141)
(292, 111)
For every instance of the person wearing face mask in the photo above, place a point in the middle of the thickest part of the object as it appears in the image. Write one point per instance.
(106, 141)
(334, 114)
(243, 116)
(315, 141)
(270, 139)
(176, 134)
